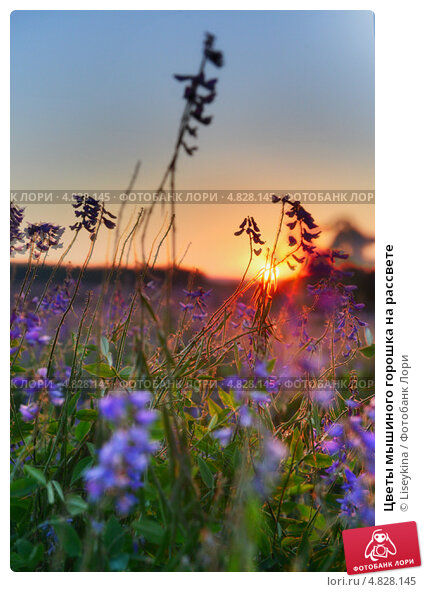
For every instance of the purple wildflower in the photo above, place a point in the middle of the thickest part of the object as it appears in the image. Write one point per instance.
(91, 213)
(274, 451)
(16, 234)
(188, 306)
(125, 456)
(29, 412)
(245, 417)
(56, 300)
(354, 501)
(42, 237)
(223, 435)
(140, 398)
(113, 408)
(324, 397)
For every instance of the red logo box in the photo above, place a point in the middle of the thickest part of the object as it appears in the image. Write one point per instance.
(379, 548)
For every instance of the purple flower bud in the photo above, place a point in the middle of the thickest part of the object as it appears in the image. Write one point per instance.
(223, 436)
(323, 397)
(260, 398)
(331, 447)
(140, 398)
(145, 416)
(336, 430)
(245, 417)
(125, 503)
(113, 408)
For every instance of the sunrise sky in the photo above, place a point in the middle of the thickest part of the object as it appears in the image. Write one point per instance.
(93, 92)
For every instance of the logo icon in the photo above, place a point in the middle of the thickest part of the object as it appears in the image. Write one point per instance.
(380, 546)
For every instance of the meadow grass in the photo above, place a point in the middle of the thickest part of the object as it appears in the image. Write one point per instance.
(150, 431)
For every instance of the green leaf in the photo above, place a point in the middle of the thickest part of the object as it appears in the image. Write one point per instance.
(80, 467)
(104, 346)
(19, 429)
(36, 474)
(300, 489)
(50, 493)
(126, 372)
(68, 538)
(24, 548)
(227, 399)
(318, 460)
(73, 403)
(82, 430)
(113, 537)
(368, 351)
(296, 446)
(207, 476)
(58, 490)
(100, 370)
(18, 369)
(37, 555)
(213, 408)
(29, 555)
(75, 504)
(22, 487)
(290, 541)
(16, 562)
(92, 449)
(213, 422)
(237, 359)
(18, 508)
(52, 428)
(270, 365)
(368, 336)
(87, 414)
(86, 349)
(150, 530)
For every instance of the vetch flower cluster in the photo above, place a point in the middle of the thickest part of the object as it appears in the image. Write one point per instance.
(342, 440)
(30, 326)
(257, 385)
(56, 301)
(266, 471)
(338, 299)
(304, 222)
(198, 93)
(92, 212)
(354, 503)
(196, 301)
(16, 234)
(29, 412)
(40, 387)
(42, 237)
(244, 315)
(251, 228)
(124, 458)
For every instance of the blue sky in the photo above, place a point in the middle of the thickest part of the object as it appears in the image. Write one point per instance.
(92, 92)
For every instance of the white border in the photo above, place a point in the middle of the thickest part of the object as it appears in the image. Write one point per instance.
(399, 220)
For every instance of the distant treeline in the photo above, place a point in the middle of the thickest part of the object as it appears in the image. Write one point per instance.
(94, 276)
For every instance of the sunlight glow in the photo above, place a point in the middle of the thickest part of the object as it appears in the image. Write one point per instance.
(269, 273)
(268, 276)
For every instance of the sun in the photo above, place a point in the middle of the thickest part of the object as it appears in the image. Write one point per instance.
(268, 278)
(269, 273)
